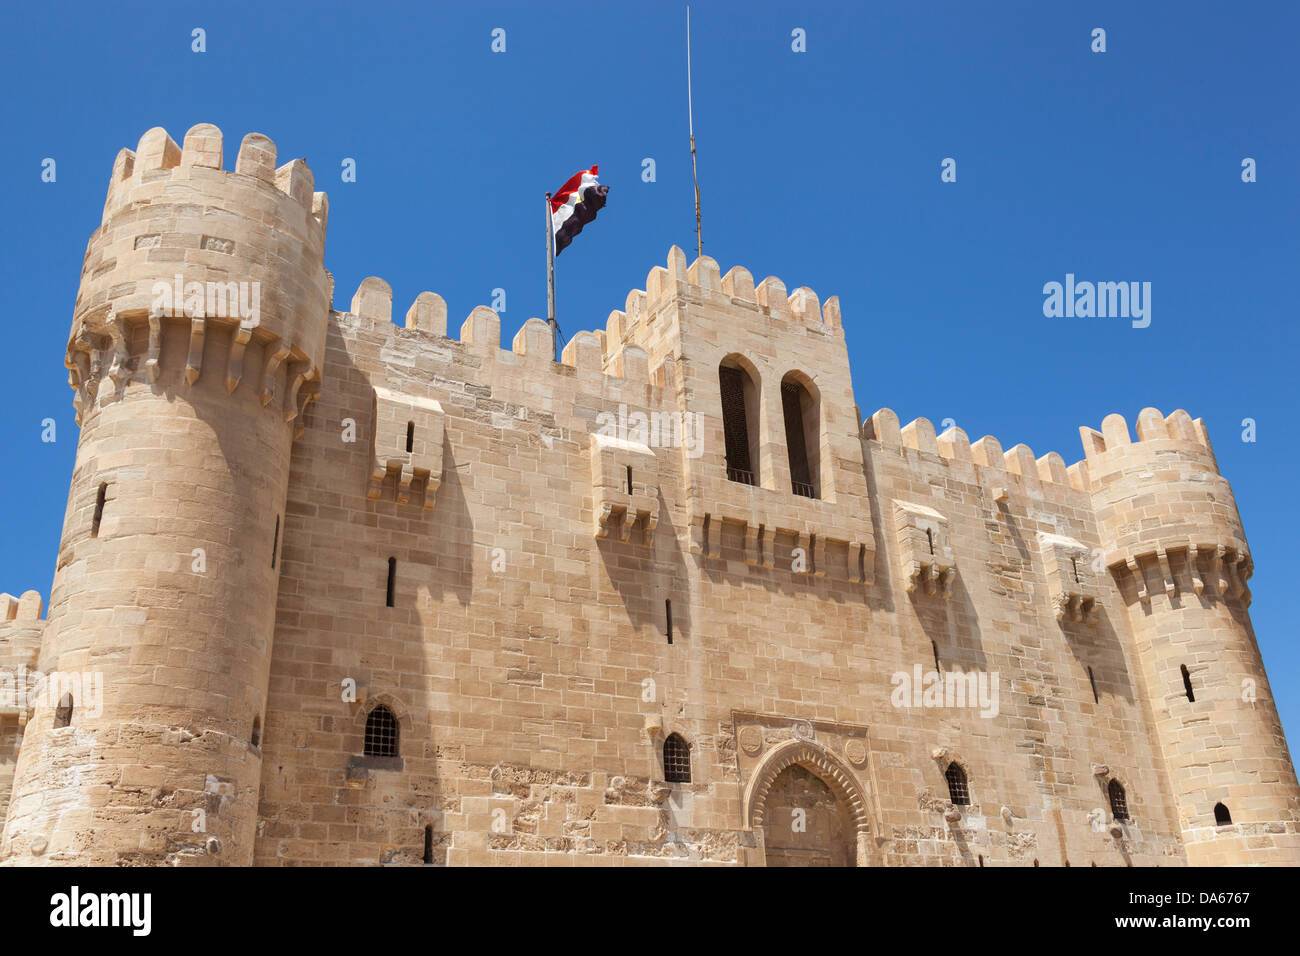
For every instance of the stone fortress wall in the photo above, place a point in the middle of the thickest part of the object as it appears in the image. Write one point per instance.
(561, 581)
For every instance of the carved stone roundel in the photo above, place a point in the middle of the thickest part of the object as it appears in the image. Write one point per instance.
(856, 752)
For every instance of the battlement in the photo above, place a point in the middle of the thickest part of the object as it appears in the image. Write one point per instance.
(1015, 466)
(426, 321)
(619, 350)
(192, 253)
(157, 157)
(1103, 448)
(25, 610)
(21, 630)
(703, 281)
(1164, 508)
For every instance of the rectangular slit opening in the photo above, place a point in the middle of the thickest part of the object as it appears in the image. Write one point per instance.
(99, 509)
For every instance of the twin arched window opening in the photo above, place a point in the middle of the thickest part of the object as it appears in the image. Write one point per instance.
(740, 428)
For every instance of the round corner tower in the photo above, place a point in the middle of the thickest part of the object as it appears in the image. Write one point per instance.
(197, 339)
(1174, 541)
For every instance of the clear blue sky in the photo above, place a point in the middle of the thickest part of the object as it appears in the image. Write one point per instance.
(821, 168)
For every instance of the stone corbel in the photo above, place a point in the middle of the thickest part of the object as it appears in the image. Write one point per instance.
(194, 363)
(270, 373)
(1162, 556)
(155, 345)
(802, 543)
(235, 366)
(121, 351)
(1217, 570)
(625, 527)
(1136, 570)
(604, 511)
(753, 543)
(699, 534)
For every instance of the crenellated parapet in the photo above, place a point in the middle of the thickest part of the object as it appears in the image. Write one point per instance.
(21, 630)
(194, 263)
(702, 282)
(1160, 501)
(1017, 468)
(480, 333)
(1164, 512)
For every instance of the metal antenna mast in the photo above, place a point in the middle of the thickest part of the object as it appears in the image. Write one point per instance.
(690, 114)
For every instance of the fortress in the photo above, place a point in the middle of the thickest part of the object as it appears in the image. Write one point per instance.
(350, 592)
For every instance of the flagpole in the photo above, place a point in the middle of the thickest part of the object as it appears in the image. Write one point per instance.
(550, 282)
(690, 115)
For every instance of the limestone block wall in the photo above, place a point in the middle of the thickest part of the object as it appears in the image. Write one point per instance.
(528, 658)
(21, 630)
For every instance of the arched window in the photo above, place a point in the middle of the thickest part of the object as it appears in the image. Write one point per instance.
(428, 845)
(392, 581)
(1187, 683)
(1118, 801)
(677, 760)
(1222, 817)
(802, 431)
(958, 790)
(739, 421)
(381, 733)
(256, 739)
(63, 713)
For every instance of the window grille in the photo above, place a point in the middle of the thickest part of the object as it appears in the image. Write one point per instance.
(1118, 801)
(677, 760)
(958, 790)
(381, 733)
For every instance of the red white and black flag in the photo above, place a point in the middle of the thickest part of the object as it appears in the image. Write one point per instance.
(575, 205)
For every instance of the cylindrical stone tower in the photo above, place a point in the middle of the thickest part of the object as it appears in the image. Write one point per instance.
(1174, 541)
(197, 340)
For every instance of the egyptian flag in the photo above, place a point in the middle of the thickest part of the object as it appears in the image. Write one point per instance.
(575, 205)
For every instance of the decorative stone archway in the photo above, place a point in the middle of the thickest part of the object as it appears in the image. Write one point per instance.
(828, 769)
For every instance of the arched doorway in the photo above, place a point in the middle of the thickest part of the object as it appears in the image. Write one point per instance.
(809, 807)
(806, 824)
